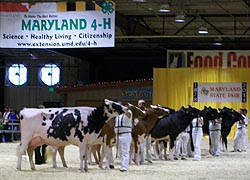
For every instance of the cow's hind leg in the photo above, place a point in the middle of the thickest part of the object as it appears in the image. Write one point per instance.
(171, 149)
(22, 149)
(30, 151)
(61, 153)
(83, 154)
(86, 158)
(54, 150)
(103, 153)
(35, 142)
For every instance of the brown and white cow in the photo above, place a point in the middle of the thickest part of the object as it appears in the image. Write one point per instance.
(107, 136)
(64, 126)
(142, 129)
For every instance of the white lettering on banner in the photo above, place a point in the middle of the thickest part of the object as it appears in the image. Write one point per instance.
(219, 92)
(49, 29)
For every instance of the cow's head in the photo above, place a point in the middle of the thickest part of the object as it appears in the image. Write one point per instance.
(209, 113)
(113, 109)
(194, 112)
(136, 111)
(171, 111)
(229, 114)
(229, 117)
(160, 110)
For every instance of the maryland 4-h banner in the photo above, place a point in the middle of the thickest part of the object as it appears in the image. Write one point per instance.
(57, 25)
(220, 92)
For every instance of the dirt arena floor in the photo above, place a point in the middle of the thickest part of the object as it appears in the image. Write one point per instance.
(230, 165)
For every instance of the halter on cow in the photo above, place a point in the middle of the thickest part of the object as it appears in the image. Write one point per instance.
(63, 126)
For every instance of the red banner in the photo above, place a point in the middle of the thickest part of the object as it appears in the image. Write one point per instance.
(209, 59)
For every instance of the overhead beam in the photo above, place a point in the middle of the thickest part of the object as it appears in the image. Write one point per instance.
(126, 22)
(247, 2)
(189, 15)
(189, 22)
(211, 25)
(181, 36)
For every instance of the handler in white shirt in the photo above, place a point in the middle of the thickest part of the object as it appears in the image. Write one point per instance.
(123, 128)
(197, 134)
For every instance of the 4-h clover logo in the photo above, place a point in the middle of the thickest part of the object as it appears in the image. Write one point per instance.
(204, 91)
(107, 7)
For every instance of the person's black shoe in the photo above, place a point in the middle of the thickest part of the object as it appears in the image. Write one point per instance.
(175, 158)
(111, 166)
(123, 170)
(39, 162)
(183, 158)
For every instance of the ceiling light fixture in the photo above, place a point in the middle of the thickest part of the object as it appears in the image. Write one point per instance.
(165, 8)
(180, 18)
(203, 30)
(218, 41)
(139, 1)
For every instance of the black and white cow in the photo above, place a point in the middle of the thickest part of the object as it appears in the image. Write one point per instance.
(173, 125)
(208, 113)
(229, 117)
(64, 126)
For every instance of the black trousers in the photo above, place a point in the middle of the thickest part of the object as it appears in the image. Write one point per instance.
(40, 154)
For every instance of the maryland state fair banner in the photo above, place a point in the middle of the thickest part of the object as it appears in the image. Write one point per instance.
(208, 59)
(57, 25)
(219, 92)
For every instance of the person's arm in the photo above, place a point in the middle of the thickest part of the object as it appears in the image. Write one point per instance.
(128, 113)
(218, 120)
(202, 122)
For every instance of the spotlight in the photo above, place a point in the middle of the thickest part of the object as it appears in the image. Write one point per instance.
(165, 8)
(180, 18)
(203, 30)
(218, 41)
(139, 1)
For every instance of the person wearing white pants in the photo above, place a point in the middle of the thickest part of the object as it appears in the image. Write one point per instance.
(181, 144)
(245, 131)
(240, 138)
(146, 146)
(197, 134)
(123, 128)
(215, 134)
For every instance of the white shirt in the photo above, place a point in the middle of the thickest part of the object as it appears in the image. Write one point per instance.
(123, 124)
(197, 122)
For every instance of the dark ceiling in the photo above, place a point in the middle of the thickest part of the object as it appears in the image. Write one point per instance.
(143, 35)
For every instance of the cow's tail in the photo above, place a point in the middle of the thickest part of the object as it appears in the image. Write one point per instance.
(191, 140)
(48, 152)
(224, 142)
